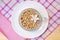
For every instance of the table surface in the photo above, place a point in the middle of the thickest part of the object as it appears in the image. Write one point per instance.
(54, 36)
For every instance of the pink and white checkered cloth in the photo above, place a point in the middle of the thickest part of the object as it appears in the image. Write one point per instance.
(52, 7)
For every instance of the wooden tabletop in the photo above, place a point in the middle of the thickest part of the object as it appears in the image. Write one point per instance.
(55, 35)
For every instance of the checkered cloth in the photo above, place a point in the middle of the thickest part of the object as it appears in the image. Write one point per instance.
(52, 7)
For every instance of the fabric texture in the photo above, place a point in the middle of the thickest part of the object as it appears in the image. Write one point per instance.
(52, 7)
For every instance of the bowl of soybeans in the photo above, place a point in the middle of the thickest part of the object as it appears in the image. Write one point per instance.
(30, 19)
